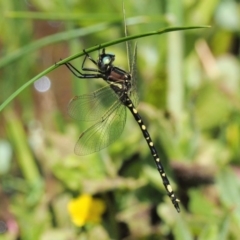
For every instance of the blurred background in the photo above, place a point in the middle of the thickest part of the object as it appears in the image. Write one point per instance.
(189, 97)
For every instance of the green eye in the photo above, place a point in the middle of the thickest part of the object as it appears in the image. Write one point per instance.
(106, 60)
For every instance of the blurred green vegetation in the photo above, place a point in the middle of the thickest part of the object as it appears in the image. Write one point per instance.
(189, 89)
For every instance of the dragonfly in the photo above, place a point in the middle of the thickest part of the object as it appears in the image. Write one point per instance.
(107, 106)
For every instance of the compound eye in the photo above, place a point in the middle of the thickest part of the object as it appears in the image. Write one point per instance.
(106, 60)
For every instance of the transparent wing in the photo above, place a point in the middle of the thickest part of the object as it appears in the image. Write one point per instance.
(91, 107)
(104, 132)
(128, 47)
(134, 92)
(132, 62)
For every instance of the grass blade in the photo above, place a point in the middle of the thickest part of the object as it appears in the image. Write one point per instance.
(107, 44)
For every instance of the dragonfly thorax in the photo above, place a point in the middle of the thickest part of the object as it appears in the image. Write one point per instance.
(117, 78)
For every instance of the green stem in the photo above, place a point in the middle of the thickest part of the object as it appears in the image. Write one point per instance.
(97, 47)
(59, 37)
(175, 65)
(23, 154)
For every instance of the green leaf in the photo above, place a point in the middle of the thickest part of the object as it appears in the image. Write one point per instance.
(229, 191)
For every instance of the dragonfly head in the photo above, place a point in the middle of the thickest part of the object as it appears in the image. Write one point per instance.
(105, 60)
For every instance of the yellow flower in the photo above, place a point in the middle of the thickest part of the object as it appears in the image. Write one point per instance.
(86, 209)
